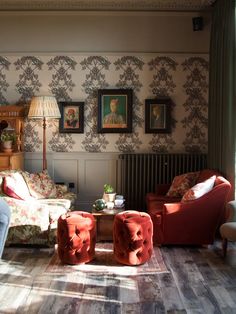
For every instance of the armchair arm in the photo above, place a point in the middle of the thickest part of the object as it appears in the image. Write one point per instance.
(231, 211)
(170, 208)
(28, 213)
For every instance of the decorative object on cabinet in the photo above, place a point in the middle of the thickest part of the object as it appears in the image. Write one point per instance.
(44, 107)
(3, 125)
(8, 138)
(72, 117)
(12, 121)
(157, 115)
(115, 110)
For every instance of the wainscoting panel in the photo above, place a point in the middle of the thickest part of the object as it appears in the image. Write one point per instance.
(35, 163)
(83, 173)
(66, 171)
(94, 172)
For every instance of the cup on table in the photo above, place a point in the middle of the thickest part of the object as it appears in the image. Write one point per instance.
(110, 205)
(119, 197)
(119, 202)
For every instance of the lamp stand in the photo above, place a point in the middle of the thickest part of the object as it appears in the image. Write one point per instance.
(44, 145)
(42, 107)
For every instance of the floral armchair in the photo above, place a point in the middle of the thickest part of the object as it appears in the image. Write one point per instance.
(36, 203)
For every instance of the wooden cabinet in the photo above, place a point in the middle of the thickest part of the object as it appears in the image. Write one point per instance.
(14, 116)
(9, 161)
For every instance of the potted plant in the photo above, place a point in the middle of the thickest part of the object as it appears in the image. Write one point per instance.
(7, 140)
(109, 194)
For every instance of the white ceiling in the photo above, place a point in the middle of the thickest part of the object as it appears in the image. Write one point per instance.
(106, 5)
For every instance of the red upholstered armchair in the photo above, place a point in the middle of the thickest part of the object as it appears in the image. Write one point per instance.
(191, 222)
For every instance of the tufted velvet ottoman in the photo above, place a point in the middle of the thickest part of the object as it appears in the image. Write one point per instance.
(76, 235)
(132, 236)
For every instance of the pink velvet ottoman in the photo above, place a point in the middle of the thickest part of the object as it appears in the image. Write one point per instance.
(76, 235)
(132, 236)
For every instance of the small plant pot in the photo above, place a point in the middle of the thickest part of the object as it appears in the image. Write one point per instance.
(7, 146)
(109, 197)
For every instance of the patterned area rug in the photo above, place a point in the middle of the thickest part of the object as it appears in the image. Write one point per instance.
(104, 263)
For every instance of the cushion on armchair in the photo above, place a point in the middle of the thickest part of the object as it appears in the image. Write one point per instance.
(199, 190)
(182, 183)
(15, 186)
(40, 185)
(3, 174)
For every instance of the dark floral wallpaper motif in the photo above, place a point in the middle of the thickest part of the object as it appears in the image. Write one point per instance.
(163, 85)
(61, 83)
(60, 86)
(61, 142)
(96, 67)
(130, 68)
(162, 143)
(128, 143)
(4, 65)
(28, 84)
(196, 107)
(78, 78)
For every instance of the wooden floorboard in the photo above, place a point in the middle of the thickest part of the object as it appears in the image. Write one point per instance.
(198, 280)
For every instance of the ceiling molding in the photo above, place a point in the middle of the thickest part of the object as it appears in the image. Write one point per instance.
(105, 5)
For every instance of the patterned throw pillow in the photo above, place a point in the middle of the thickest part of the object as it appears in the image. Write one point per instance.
(199, 190)
(182, 183)
(3, 174)
(15, 186)
(40, 184)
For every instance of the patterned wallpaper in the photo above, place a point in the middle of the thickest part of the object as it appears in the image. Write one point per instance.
(77, 78)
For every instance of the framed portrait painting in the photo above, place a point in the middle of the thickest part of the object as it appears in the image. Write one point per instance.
(115, 110)
(72, 117)
(157, 115)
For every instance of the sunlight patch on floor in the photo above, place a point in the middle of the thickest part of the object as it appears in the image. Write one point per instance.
(43, 292)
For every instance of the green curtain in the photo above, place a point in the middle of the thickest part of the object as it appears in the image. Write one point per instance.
(222, 85)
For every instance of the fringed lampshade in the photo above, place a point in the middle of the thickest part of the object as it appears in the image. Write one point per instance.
(44, 107)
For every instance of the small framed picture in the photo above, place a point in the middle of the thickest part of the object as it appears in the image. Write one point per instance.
(157, 115)
(72, 117)
(115, 110)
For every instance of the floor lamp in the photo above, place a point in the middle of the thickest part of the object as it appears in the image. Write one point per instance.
(44, 107)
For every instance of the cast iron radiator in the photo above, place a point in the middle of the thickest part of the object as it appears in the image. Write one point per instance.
(139, 173)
